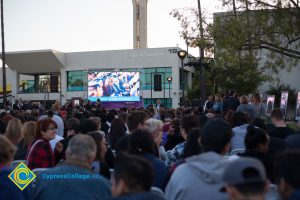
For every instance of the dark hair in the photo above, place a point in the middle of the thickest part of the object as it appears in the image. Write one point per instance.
(123, 116)
(239, 119)
(140, 142)
(50, 113)
(188, 122)
(43, 125)
(98, 138)
(135, 118)
(192, 145)
(73, 124)
(287, 167)
(254, 137)
(117, 130)
(2, 127)
(135, 171)
(277, 114)
(231, 92)
(215, 135)
(87, 126)
(260, 123)
(110, 116)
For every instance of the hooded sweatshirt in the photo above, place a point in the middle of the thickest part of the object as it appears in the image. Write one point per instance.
(199, 178)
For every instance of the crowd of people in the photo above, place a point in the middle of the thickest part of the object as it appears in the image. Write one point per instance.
(227, 149)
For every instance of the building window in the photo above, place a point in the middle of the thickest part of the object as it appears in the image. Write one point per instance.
(148, 73)
(77, 80)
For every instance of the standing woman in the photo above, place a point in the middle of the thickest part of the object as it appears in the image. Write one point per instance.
(99, 165)
(40, 154)
(218, 105)
(13, 130)
(28, 136)
(259, 109)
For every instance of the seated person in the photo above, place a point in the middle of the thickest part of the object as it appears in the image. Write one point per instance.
(74, 178)
(132, 179)
(8, 190)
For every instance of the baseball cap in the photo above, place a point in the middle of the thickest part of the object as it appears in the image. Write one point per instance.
(243, 171)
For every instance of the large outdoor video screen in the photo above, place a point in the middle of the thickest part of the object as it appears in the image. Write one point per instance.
(113, 86)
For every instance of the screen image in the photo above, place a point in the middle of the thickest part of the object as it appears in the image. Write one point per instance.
(113, 86)
(283, 102)
(270, 104)
(298, 107)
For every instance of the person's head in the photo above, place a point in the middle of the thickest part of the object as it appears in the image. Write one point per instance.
(110, 117)
(7, 151)
(140, 142)
(82, 148)
(136, 119)
(132, 174)
(193, 143)
(46, 129)
(158, 101)
(239, 119)
(97, 120)
(50, 113)
(260, 123)
(117, 130)
(87, 126)
(187, 123)
(101, 144)
(256, 98)
(155, 127)
(245, 178)
(72, 126)
(210, 97)
(218, 97)
(287, 172)
(244, 99)
(216, 135)
(277, 116)
(256, 139)
(123, 116)
(231, 92)
(13, 130)
(28, 132)
(229, 117)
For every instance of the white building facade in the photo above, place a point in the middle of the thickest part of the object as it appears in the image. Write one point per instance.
(49, 75)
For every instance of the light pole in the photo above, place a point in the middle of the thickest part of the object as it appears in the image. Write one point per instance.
(201, 52)
(182, 54)
(169, 79)
(3, 58)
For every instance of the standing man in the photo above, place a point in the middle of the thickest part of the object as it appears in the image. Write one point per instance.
(159, 104)
(231, 103)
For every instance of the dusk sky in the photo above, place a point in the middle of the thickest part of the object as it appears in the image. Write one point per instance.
(88, 25)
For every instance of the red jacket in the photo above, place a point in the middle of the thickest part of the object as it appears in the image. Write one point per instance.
(40, 155)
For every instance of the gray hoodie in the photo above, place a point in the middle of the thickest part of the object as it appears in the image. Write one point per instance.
(199, 178)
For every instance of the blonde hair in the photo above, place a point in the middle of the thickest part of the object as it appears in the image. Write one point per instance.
(13, 130)
(7, 150)
(244, 99)
(28, 132)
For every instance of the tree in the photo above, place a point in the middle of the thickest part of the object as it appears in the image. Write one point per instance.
(250, 42)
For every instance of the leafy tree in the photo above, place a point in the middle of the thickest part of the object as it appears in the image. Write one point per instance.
(251, 42)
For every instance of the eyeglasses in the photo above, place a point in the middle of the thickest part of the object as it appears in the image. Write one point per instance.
(51, 129)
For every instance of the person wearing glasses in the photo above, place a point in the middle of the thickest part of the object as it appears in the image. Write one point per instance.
(40, 154)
